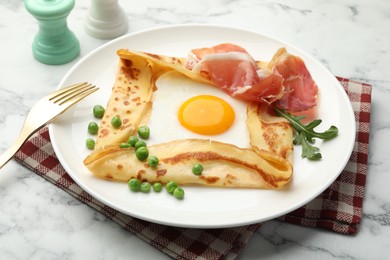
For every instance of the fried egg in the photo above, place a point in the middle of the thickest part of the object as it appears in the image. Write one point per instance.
(185, 109)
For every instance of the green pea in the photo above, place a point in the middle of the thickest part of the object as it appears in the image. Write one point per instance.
(139, 144)
(178, 193)
(125, 145)
(197, 169)
(116, 122)
(144, 132)
(171, 186)
(132, 140)
(134, 184)
(145, 187)
(142, 153)
(153, 161)
(157, 186)
(93, 128)
(90, 143)
(98, 111)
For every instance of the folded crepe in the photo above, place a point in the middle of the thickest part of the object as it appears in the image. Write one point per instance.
(269, 132)
(267, 164)
(225, 165)
(130, 100)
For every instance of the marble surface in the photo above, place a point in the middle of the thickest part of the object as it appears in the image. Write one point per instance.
(40, 221)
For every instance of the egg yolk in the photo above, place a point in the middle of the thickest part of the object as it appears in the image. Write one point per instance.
(206, 115)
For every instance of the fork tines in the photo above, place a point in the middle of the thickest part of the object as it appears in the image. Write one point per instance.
(72, 93)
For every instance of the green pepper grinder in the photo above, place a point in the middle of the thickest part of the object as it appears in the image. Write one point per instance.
(54, 43)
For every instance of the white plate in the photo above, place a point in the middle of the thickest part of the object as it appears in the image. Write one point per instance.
(202, 207)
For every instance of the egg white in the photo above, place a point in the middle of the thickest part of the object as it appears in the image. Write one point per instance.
(173, 89)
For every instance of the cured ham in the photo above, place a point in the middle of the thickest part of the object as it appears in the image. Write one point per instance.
(300, 89)
(231, 68)
(285, 79)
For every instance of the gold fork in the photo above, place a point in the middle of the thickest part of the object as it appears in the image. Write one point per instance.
(45, 111)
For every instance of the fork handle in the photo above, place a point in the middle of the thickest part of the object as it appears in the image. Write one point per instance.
(14, 148)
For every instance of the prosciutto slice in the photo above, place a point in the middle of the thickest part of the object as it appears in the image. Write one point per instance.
(284, 80)
(232, 69)
(300, 89)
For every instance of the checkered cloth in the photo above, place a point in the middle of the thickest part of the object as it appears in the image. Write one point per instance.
(339, 208)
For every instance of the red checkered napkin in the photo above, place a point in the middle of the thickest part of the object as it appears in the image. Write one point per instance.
(339, 208)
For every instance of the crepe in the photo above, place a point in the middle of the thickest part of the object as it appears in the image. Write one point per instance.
(130, 101)
(269, 132)
(267, 164)
(225, 165)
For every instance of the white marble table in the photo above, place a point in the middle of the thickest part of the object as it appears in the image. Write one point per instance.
(351, 38)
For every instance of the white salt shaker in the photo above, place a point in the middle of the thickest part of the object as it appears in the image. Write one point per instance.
(106, 19)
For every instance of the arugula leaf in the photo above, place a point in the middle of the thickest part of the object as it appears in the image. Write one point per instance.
(308, 151)
(305, 134)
